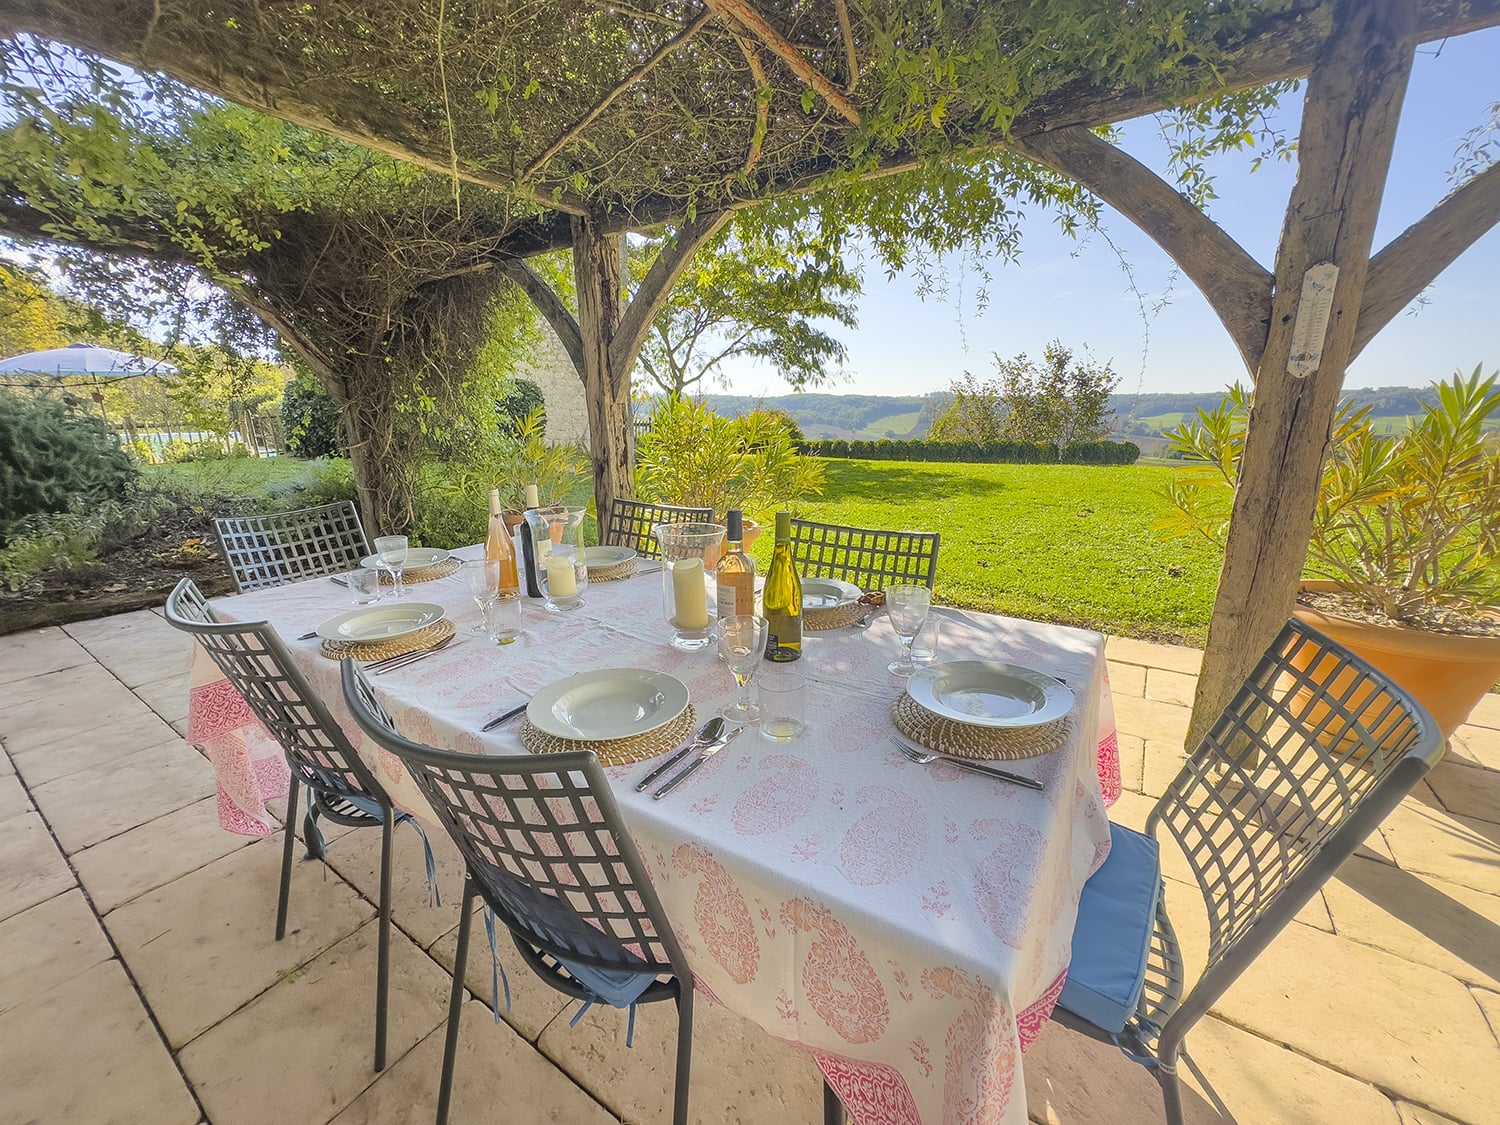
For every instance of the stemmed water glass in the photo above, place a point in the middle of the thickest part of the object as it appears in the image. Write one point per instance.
(907, 607)
(742, 646)
(391, 550)
(482, 577)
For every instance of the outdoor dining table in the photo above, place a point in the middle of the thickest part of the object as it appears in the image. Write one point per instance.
(909, 926)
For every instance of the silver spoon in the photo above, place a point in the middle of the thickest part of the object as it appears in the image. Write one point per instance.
(707, 733)
(924, 757)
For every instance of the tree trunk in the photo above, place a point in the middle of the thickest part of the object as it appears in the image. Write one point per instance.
(1349, 121)
(606, 387)
(382, 481)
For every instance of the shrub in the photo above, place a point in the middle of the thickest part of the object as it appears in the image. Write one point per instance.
(525, 398)
(321, 482)
(311, 420)
(53, 541)
(992, 452)
(53, 459)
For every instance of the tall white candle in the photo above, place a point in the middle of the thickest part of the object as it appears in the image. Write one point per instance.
(689, 594)
(531, 497)
(561, 580)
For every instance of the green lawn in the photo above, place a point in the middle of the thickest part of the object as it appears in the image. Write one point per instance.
(245, 476)
(1065, 543)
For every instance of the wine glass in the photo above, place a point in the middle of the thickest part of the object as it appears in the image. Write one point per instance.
(906, 606)
(742, 645)
(391, 550)
(482, 577)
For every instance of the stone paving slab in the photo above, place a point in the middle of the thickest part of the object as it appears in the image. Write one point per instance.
(13, 798)
(741, 1075)
(1453, 848)
(304, 1051)
(497, 1076)
(1466, 791)
(95, 804)
(204, 945)
(533, 1003)
(32, 870)
(128, 865)
(1475, 746)
(167, 697)
(1174, 658)
(24, 655)
(46, 945)
(136, 647)
(1229, 1077)
(102, 746)
(85, 1052)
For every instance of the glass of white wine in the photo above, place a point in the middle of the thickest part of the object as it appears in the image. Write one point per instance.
(742, 645)
(391, 550)
(907, 608)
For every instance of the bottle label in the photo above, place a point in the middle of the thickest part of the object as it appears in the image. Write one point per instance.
(781, 654)
(727, 601)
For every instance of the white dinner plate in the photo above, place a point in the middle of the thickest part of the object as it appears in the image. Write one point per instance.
(828, 593)
(989, 694)
(607, 704)
(380, 622)
(597, 558)
(417, 558)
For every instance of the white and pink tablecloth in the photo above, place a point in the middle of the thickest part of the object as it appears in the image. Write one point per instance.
(908, 926)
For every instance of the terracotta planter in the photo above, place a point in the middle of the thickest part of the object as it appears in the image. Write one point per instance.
(1448, 674)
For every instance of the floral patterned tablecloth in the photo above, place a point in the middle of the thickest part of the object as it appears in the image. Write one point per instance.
(908, 926)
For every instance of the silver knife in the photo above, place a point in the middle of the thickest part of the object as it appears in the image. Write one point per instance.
(511, 714)
(414, 657)
(708, 752)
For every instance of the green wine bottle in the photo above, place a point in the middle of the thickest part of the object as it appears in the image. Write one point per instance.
(782, 598)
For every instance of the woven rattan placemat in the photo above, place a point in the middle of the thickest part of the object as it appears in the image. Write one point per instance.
(612, 573)
(426, 574)
(621, 752)
(425, 637)
(963, 740)
(834, 617)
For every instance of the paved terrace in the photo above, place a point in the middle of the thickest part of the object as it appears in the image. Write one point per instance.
(139, 981)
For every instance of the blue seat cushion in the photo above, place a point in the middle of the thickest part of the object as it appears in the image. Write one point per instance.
(1116, 918)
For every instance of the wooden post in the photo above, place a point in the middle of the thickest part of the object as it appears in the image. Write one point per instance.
(1354, 96)
(606, 385)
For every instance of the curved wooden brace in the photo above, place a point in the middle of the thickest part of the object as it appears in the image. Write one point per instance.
(1423, 250)
(658, 282)
(1235, 284)
(550, 305)
(744, 14)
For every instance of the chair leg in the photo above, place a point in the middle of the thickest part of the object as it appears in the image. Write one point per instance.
(684, 1052)
(833, 1109)
(286, 859)
(455, 1002)
(383, 960)
(1171, 1089)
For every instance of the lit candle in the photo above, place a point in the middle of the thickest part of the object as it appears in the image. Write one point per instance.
(561, 581)
(531, 497)
(689, 595)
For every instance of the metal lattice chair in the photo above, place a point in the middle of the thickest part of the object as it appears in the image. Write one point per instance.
(630, 523)
(340, 786)
(1313, 752)
(289, 546)
(869, 558)
(546, 850)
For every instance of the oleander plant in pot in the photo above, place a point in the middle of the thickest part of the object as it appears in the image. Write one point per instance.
(1404, 562)
(693, 457)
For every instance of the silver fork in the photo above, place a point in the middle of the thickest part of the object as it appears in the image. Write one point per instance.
(925, 757)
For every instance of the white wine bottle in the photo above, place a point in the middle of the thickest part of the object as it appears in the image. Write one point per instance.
(782, 598)
(735, 579)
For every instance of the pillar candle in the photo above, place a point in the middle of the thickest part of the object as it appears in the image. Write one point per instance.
(561, 580)
(689, 595)
(531, 497)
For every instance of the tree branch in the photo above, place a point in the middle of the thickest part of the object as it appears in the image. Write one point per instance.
(550, 305)
(744, 14)
(762, 104)
(1235, 284)
(1423, 250)
(658, 282)
(662, 52)
(851, 58)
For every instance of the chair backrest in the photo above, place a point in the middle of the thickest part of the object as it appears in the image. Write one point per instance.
(630, 523)
(869, 558)
(289, 546)
(544, 844)
(260, 668)
(1315, 750)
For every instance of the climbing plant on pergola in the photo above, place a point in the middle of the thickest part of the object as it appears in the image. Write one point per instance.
(610, 117)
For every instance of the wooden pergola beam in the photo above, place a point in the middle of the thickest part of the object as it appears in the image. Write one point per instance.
(1412, 261)
(744, 14)
(1234, 283)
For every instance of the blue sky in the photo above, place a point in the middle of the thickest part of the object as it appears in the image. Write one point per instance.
(905, 345)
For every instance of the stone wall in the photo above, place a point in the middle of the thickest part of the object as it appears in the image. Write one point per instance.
(552, 370)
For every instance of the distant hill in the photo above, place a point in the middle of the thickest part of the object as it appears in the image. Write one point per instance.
(1141, 418)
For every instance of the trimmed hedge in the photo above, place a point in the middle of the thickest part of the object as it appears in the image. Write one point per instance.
(993, 452)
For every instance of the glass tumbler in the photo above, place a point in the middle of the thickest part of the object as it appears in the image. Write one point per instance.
(685, 550)
(557, 534)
